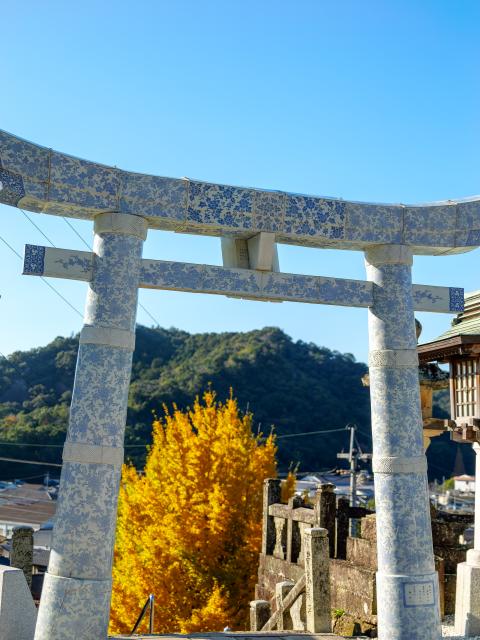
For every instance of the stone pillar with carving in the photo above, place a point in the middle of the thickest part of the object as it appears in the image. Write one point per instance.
(76, 594)
(467, 601)
(407, 584)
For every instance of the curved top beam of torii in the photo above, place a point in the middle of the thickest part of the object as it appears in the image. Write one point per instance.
(42, 180)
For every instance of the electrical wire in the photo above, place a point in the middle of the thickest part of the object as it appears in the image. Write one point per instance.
(81, 238)
(149, 314)
(43, 279)
(43, 464)
(40, 475)
(30, 444)
(36, 227)
(310, 433)
(33, 444)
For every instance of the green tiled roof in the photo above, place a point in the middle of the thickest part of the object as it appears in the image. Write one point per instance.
(467, 322)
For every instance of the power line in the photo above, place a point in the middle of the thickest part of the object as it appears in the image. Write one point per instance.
(76, 233)
(43, 464)
(36, 227)
(29, 444)
(40, 475)
(149, 314)
(310, 433)
(43, 279)
(33, 444)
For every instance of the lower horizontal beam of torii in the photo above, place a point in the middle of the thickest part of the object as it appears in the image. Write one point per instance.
(239, 283)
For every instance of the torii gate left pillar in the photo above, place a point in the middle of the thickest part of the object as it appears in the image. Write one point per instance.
(76, 594)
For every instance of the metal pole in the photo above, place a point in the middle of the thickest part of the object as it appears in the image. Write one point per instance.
(152, 613)
(353, 467)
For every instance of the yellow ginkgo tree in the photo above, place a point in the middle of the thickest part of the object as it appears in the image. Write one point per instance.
(189, 527)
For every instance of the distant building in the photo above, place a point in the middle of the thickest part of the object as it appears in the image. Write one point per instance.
(29, 505)
(464, 483)
(365, 488)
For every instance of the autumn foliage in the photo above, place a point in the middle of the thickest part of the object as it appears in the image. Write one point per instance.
(189, 528)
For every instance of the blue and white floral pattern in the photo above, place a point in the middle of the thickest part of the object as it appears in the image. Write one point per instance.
(90, 525)
(111, 300)
(78, 183)
(33, 260)
(269, 211)
(468, 215)
(220, 205)
(11, 188)
(154, 197)
(77, 262)
(72, 608)
(437, 299)
(62, 185)
(457, 299)
(473, 238)
(308, 216)
(430, 225)
(247, 283)
(373, 222)
(24, 158)
(317, 290)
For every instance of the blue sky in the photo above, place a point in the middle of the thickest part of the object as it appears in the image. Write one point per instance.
(370, 100)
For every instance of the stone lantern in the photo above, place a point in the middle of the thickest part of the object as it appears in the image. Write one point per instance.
(459, 347)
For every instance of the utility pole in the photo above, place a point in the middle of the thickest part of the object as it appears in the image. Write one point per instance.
(353, 456)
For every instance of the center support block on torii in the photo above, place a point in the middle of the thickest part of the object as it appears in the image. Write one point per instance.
(77, 589)
(407, 584)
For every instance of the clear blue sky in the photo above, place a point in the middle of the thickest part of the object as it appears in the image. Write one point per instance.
(374, 100)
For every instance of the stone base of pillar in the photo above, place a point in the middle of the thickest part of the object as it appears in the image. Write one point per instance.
(467, 602)
(408, 607)
(76, 609)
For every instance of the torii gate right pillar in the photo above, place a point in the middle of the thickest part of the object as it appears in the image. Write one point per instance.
(407, 584)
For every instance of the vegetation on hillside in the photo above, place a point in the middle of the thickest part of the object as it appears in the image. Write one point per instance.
(296, 386)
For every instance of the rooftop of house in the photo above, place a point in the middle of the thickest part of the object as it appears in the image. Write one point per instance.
(26, 504)
(468, 321)
(462, 338)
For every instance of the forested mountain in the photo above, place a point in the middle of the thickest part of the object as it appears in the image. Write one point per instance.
(293, 387)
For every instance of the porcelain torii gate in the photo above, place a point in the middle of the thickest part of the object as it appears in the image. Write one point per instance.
(76, 597)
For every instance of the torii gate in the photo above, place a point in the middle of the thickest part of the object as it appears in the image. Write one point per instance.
(77, 588)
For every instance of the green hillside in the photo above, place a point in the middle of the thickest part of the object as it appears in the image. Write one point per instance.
(296, 387)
